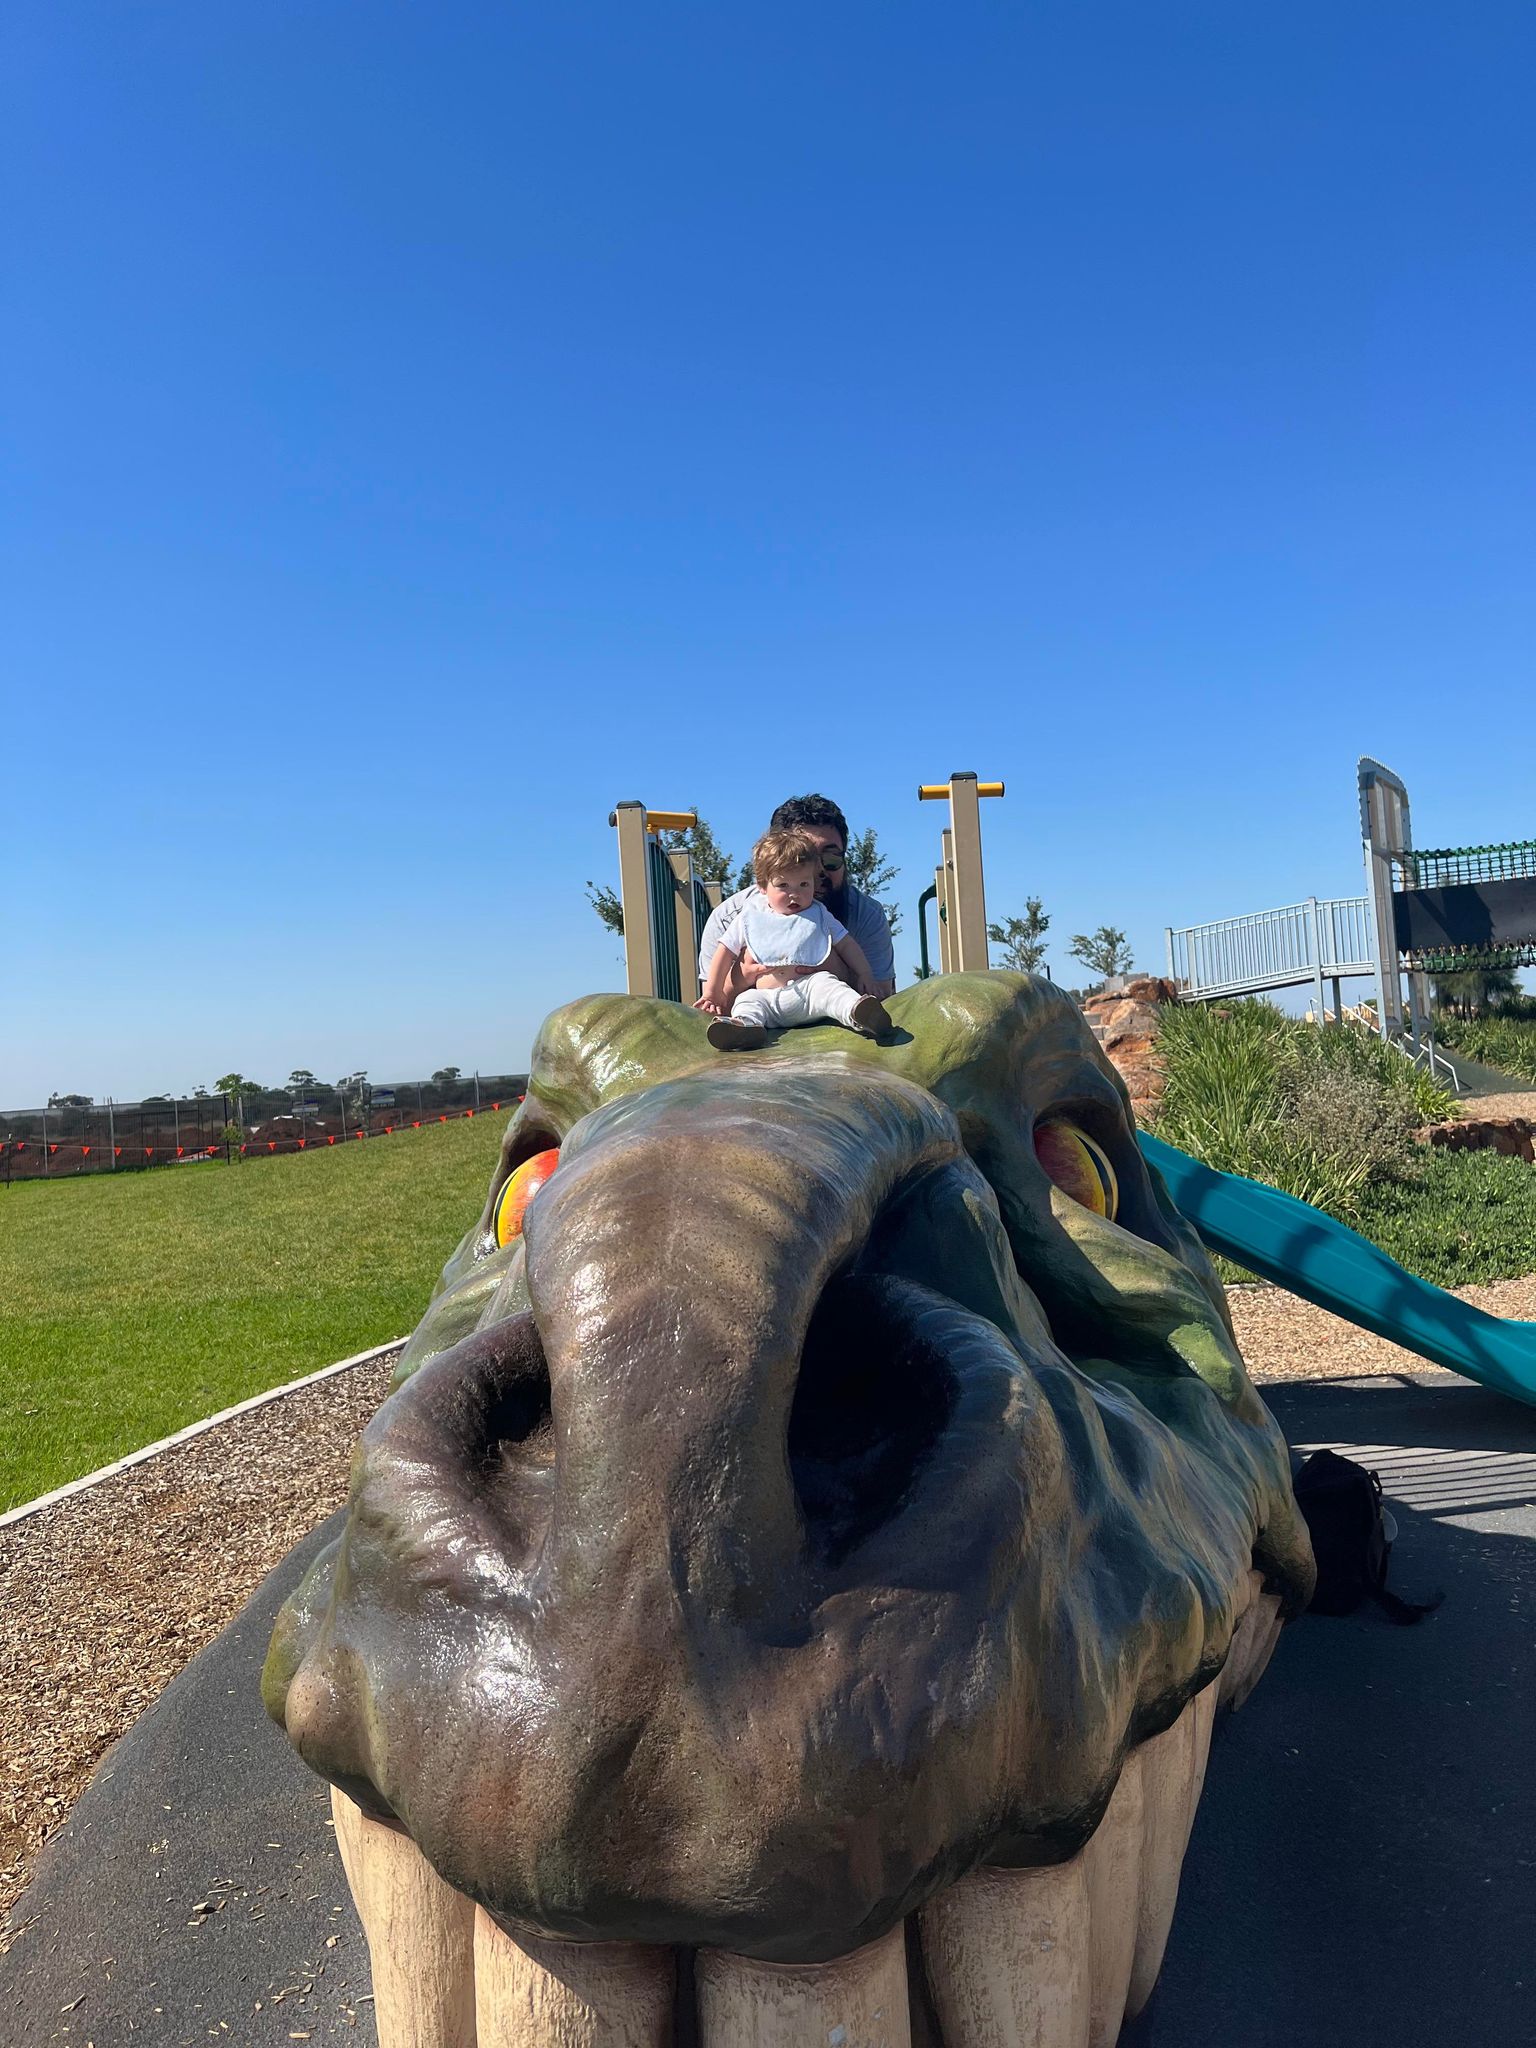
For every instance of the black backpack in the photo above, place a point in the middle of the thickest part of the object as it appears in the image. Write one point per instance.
(1352, 1538)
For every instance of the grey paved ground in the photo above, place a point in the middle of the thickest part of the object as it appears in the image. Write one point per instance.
(1363, 1868)
(196, 1879)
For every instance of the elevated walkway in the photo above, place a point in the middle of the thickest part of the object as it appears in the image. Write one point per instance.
(1323, 939)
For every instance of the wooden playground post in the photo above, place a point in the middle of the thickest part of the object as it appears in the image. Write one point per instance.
(635, 895)
(962, 896)
(1386, 832)
(944, 875)
(635, 826)
(688, 934)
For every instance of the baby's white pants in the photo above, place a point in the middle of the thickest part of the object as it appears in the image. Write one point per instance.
(812, 999)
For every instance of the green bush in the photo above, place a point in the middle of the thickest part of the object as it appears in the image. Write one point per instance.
(1322, 1114)
(1507, 1042)
(1468, 1216)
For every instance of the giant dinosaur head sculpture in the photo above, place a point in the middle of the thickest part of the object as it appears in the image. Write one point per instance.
(836, 1472)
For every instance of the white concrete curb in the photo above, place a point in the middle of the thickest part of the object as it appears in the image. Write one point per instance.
(169, 1443)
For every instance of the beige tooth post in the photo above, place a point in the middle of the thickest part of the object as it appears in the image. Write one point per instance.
(536, 1993)
(1167, 1764)
(1203, 1711)
(1240, 1653)
(859, 2001)
(420, 1935)
(1113, 1863)
(1007, 1958)
(1265, 1617)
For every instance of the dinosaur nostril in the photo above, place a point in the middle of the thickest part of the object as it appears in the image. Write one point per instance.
(516, 1427)
(872, 1399)
(486, 1405)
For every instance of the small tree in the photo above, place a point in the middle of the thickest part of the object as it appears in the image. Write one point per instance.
(1474, 990)
(446, 1077)
(236, 1086)
(606, 903)
(1022, 939)
(69, 1101)
(1104, 952)
(300, 1081)
(711, 863)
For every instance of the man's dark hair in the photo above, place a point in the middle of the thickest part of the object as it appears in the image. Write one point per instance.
(809, 810)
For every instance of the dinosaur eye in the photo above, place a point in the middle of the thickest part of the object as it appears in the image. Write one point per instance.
(1078, 1166)
(512, 1202)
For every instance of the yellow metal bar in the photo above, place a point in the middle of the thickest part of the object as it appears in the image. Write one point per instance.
(670, 821)
(935, 792)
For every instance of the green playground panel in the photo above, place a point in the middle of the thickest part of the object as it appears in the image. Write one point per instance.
(1310, 1254)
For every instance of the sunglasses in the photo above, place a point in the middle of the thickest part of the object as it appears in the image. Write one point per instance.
(832, 860)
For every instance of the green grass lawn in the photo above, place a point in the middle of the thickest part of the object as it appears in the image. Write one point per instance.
(135, 1303)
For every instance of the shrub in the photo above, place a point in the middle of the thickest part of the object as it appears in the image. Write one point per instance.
(1507, 1042)
(1321, 1114)
(1468, 1216)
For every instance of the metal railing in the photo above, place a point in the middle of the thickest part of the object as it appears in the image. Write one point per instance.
(1426, 1054)
(663, 910)
(1326, 938)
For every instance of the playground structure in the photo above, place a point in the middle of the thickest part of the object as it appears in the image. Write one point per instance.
(748, 1627)
(1422, 913)
(666, 906)
(957, 887)
(1326, 939)
(731, 1444)
(1452, 907)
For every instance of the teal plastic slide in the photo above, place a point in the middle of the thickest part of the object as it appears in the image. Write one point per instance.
(1307, 1252)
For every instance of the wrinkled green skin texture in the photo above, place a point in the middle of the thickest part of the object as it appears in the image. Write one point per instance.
(814, 1504)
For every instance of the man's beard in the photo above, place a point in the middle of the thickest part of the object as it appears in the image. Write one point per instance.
(836, 899)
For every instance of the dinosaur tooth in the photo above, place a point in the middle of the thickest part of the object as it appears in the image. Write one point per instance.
(1053, 1957)
(1253, 1645)
(1167, 1777)
(1202, 1710)
(857, 2001)
(421, 1935)
(1113, 1861)
(1008, 1958)
(536, 1993)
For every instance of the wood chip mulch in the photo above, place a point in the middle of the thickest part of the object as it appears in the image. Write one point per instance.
(106, 1596)
(1282, 1338)
(1495, 1106)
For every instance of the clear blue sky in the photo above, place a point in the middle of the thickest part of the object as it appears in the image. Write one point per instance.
(426, 427)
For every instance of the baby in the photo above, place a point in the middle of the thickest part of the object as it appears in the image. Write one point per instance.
(794, 940)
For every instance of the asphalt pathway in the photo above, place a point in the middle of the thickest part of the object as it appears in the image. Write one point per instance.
(1363, 1867)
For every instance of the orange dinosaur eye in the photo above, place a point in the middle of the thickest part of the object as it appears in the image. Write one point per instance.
(1079, 1167)
(512, 1202)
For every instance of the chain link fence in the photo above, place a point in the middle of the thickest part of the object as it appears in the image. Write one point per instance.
(73, 1136)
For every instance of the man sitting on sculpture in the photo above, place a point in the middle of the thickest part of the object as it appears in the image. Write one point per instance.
(861, 915)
